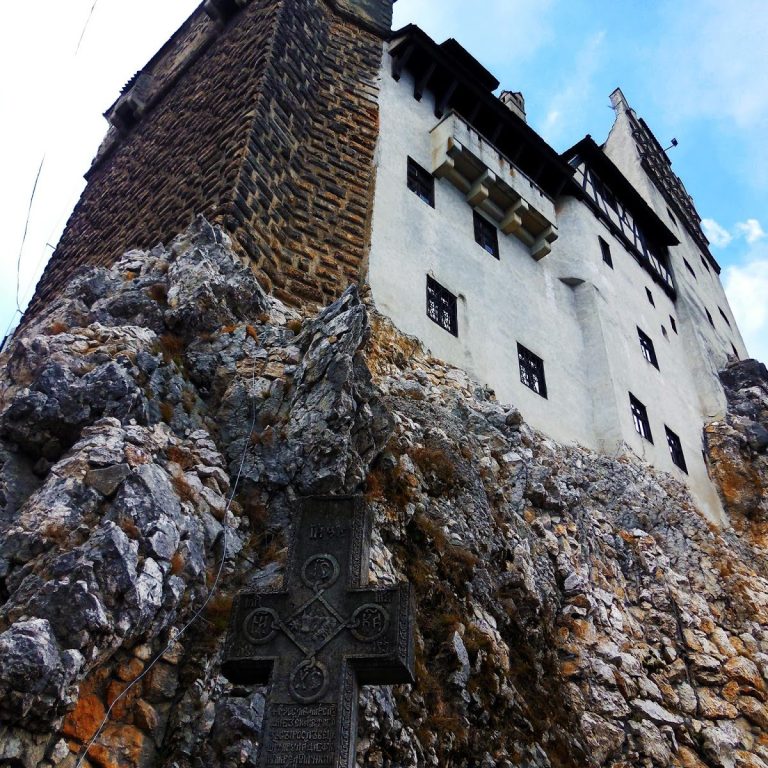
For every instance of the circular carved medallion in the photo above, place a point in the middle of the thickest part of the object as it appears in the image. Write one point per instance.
(309, 681)
(320, 571)
(369, 622)
(260, 625)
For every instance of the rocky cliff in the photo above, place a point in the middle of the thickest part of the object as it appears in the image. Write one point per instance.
(157, 424)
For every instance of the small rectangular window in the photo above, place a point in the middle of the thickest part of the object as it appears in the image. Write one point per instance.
(675, 449)
(689, 268)
(441, 306)
(421, 181)
(673, 323)
(532, 370)
(671, 216)
(640, 418)
(486, 234)
(605, 250)
(722, 314)
(647, 346)
(650, 297)
(709, 317)
(704, 262)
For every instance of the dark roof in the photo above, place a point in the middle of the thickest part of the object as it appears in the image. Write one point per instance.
(649, 221)
(460, 83)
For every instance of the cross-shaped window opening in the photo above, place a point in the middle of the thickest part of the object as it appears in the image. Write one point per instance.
(675, 449)
(640, 418)
(532, 371)
(421, 182)
(605, 250)
(441, 306)
(646, 344)
(486, 234)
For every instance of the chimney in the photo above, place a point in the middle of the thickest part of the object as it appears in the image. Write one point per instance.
(514, 101)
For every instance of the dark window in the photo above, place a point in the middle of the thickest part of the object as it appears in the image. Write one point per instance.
(671, 217)
(650, 296)
(647, 346)
(640, 417)
(605, 249)
(486, 234)
(735, 352)
(722, 314)
(673, 323)
(664, 333)
(709, 317)
(531, 370)
(673, 441)
(421, 182)
(441, 306)
(689, 268)
(704, 262)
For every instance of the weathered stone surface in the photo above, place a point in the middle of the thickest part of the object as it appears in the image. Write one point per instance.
(571, 609)
(738, 446)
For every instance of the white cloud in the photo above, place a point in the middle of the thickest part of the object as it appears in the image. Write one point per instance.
(569, 100)
(746, 286)
(718, 235)
(751, 230)
(710, 64)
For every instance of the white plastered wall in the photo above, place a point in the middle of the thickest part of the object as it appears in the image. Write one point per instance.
(570, 309)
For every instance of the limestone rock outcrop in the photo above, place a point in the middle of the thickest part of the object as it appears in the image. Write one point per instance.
(157, 424)
(738, 445)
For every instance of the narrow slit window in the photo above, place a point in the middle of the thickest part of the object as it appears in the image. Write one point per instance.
(704, 263)
(650, 297)
(640, 418)
(421, 182)
(735, 351)
(709, 317)
(671, 216)
(486, 234)
(441, 307)
(646, 345)
(689, 268)
(722, 314)
(532, 371)
(673, 323)
(605, 250)
(675, 449)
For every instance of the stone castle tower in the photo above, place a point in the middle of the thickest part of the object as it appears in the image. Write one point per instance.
(585, 595)
(303, 127)
(260, 115)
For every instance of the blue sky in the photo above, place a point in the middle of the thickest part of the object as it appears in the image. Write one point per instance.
(696, 70)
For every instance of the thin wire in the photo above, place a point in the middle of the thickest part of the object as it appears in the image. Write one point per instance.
(87, 22)
(196, 616)
(26, 227)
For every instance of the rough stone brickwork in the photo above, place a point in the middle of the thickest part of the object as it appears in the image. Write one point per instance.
(269, 132)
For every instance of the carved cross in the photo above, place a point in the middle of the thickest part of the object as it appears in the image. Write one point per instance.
(320, 637)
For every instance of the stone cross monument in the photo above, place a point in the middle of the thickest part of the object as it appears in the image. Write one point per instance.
(320, 637)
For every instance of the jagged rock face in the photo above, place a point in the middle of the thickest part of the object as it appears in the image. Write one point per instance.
(738, 445)
(572, 609)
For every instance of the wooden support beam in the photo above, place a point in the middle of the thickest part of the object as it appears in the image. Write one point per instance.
(421, 83)
(443, 101)
(399, 61)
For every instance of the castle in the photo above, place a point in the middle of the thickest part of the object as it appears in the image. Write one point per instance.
(579, 286)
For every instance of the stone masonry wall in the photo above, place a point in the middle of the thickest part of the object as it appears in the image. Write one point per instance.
(270, 132)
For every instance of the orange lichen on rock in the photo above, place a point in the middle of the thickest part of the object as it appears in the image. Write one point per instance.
(83, 722)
